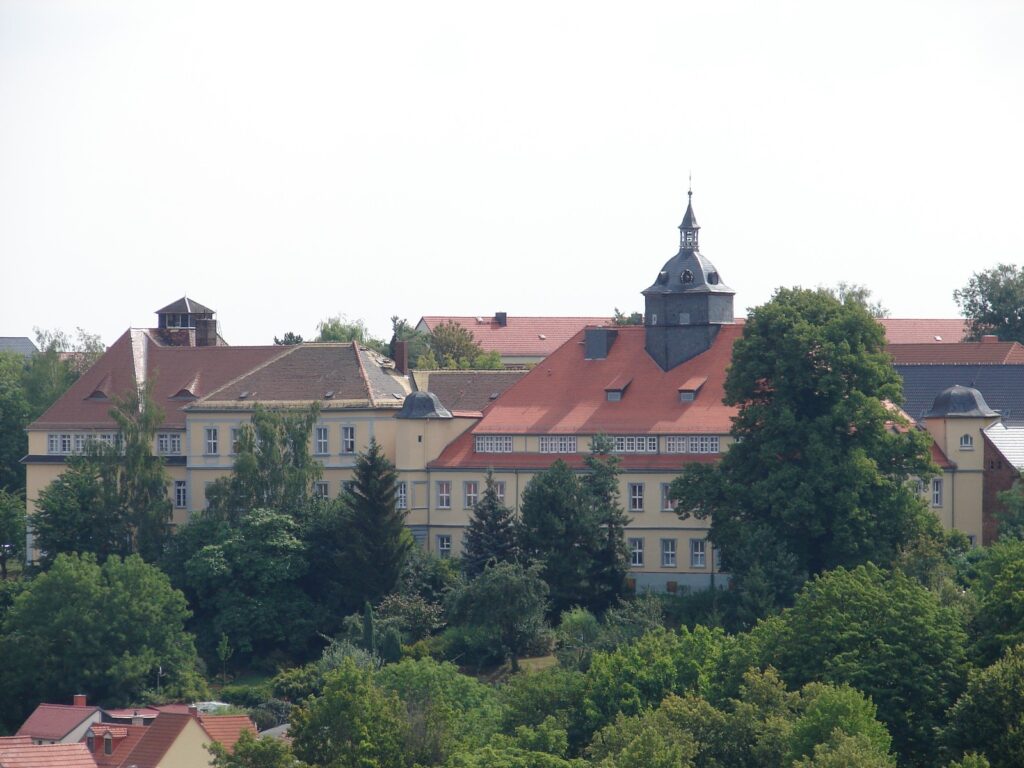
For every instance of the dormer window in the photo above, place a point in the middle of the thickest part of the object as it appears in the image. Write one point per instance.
(108, 744)
(617, 388)
(90, 740)
(966, 443)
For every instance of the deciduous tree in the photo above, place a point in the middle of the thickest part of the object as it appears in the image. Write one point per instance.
(14, 415)
(12, 529)
(993, 302)
(340, 328)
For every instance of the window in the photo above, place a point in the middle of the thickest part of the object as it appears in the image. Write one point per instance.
(558, 444)
(348, 486)
(492, 444)
(636, 444)
(108, 744)
(636, 552)
(320, 489)
(168, 443)
(499, 490)
(180, 494)
(90, 740)
(211, 441)
(320, 443)
(668, 504)
(236, 435)
(109, 438)
(80, 441)
(972, 540)
(636, 497)
(966, 443)
(58, 443)
(402, 495)
(692, 444)
(697, 553)
(348, 439)
(668, 553)
(444, 494)
(937, 492)
(613, 395)
(470, 490)
(444, 546)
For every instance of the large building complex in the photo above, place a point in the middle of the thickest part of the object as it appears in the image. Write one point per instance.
(655, 389)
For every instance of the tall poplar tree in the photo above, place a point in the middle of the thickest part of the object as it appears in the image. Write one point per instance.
(492, 535)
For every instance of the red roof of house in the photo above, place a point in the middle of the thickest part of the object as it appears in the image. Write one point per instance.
(227, 729)
(900, 330)
(520, 336)
(55, 721)
(14, 741)
(964, 353)
(124, 738)
(156, 739)
(46, 756)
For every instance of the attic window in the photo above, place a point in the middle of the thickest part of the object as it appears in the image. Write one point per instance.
(687, 276)
(328, 394)
(688, 391)
(108, 744)
(245, 393)
(713, 278)
(966, 443)
(617, 388)
(183, 394)
(492, 396)
(541, 336)
(97, 394)
(90, 740)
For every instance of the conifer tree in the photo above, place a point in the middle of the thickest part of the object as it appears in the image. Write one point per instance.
(378, 541)
(492, 535)
(610, 563)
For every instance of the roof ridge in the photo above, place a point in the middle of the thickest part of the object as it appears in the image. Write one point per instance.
(287, 350)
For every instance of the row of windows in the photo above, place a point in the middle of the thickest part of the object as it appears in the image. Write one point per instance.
(622, 444)
(698, 552)
(321, 438)
(64, 443)
(443, 490)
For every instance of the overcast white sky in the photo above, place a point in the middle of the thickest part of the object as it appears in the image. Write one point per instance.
(282, 162)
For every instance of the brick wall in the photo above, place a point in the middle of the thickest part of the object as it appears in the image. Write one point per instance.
(998, 476)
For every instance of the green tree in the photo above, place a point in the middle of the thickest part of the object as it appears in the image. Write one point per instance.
(354, 724)
(1011, 514)
(103, 629)
(451, 343)
(633, 318)
(508, 601)
(817, 478)
(886, 636)
(377, 542)
(826, 708)
(274, 467)
(610, 563)
(996, 585)
(989, 717)
(993, 302)
(289, 339)
(861, 294)
(58, 364)
(492, 534)
(340, 328)
(14, 415)
(12, 529)
(255, 752)
(418, 342)
(843, 751)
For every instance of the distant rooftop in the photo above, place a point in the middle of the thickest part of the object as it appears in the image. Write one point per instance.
(21, 345)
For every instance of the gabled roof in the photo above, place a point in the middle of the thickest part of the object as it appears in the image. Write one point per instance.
(900, 330)
(46, 756)
(185, 306)
(520, 336)
(466, 390)
(1001, 385)
(55, 721)
(227, 729)
(124, 738)
(136, 357)
(962, 353)
(157, 739)
(344, 374)
(21, 345)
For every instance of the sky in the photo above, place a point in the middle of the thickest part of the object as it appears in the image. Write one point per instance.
(286, 162)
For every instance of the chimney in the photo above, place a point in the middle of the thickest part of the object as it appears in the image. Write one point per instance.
(137, 718)
(206, 332)
(401, 356)
(193, 711)
(80, 700)
(598, 342)
(989, 338)
(501, 318)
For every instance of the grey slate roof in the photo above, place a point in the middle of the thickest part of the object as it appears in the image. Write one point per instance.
(1002, 386)
(1009, 441)
(185, 305)
(21, 345)
(423, 405)
(960, 401)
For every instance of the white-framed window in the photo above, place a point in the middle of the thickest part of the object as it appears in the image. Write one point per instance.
(698, 553)
(492, 444)
(693, 444)
(402, 495)
(636, 497)
(211, 441)
(668, 553)
(636, 444)
(668, 504)
(109, 438)
(236, 435)
(558, 444)
(966, 443)
(320, 489)
(80, 441)
(636, 552)
(937, 492)
(180, 494)
(444, 546)
(470, 493)
(499, 490)
(444, 494)
(66, 443)
(348, 439)
(320, 441)
(168, 443)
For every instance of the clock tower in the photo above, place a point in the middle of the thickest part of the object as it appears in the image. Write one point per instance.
(687, 303)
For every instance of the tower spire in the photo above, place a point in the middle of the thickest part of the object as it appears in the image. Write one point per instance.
(689, 229)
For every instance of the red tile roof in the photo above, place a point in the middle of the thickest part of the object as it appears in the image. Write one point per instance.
(156, 740)
(14, 741)
(134, 356)
(964, 353)
(46, 756)
(124, 738)
(899, 330)
(227, 729)
(520, 336)
(55, 721)
(466, 390)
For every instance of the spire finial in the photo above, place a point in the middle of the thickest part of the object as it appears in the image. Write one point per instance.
(689, 192)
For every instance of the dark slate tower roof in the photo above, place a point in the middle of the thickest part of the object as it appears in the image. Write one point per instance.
(423, 405)
(958, 401)
(689, 220)
(689, 271)
(185, 306)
